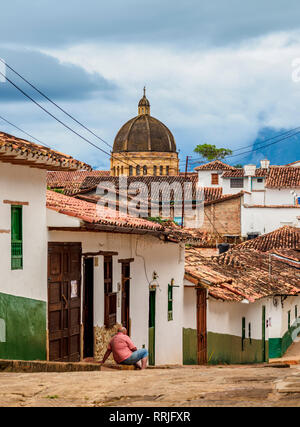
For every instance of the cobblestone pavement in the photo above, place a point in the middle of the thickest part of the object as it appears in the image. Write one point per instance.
(186, 386)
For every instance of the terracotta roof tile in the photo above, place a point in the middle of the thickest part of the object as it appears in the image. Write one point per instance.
(215, 165)
(247, 274)
(240, 173)
(286, 237)
(283, 177)
(20, 151)
(95, 214)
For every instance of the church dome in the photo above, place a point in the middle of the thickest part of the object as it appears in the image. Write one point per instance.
(144, 133)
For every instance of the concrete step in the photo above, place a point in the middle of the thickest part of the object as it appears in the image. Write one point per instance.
(44, 366)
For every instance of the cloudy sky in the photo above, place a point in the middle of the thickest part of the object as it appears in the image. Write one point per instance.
(222, 72)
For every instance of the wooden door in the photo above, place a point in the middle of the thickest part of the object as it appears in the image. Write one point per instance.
(151, 349)
(263, 333)
(64, 301)
(125, 312)
(201, 327)
(88, 308)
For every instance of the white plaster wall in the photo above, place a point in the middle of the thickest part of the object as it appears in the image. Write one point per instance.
(204, 178)
(150, 254)
(189, 306)
(280, 196)
(226, 317)
(24, 184)
(279, 314)
(265, 220)
(225, 184)
(256, 185)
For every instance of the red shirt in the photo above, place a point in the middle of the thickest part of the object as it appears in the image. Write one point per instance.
(121, 346)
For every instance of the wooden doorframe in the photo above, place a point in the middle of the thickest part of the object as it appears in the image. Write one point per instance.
(125, 293)
(263, 333)
(201, 326)
(63, 301)
(90, 302)
(152, 311)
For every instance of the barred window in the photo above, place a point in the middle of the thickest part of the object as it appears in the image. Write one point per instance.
(16, 238)
(236, 183)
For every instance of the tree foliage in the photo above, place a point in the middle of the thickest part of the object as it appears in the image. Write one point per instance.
(211, 152)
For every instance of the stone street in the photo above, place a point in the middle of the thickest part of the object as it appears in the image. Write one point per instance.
(180, 386)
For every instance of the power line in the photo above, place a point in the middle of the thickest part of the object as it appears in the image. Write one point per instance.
(26, 133)
(260, 147)
(58, 120)
(60, 108)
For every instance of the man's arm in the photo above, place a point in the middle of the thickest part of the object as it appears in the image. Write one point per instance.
(130, 344)
(106, 356)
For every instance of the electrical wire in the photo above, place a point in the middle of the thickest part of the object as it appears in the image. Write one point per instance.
(59, 121)
(26, 133)
(60, 108)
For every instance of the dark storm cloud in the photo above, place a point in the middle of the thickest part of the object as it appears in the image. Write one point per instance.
(201, 22)
(58, 81)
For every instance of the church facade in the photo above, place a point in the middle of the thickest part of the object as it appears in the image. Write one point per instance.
(144, 146)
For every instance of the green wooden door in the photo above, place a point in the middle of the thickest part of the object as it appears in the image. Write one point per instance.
(263, 333)
(152, 298)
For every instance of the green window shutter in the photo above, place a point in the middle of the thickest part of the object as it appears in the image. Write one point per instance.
(16, 238)
(296, 312)
(170, 302)
(289, 319)
(243, 331)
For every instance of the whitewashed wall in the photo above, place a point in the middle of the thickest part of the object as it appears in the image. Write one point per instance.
(190, 306)
(279, 315)
(204, 178)
(150, 254)
(226, 317)
(265, 220)
(280, 196)
(24, 184)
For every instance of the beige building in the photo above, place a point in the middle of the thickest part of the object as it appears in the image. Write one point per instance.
(144, 146)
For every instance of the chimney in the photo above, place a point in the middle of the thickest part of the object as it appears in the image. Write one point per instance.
(265, 164)
(249, 170)
(223, 247)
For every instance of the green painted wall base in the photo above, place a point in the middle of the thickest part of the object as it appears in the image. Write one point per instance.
(22, 328)
(223, 348)
(189, 342)
(278, 346)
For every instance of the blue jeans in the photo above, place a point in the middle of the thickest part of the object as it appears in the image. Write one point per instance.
(135, 357)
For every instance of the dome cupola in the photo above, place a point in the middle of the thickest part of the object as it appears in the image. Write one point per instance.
(144, 105)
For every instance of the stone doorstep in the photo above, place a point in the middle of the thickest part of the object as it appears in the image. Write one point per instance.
(44, 366)
(284, 361)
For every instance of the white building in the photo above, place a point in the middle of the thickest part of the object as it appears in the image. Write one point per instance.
(23, 244)
(243, 306)
(132, 274)
(271, 193)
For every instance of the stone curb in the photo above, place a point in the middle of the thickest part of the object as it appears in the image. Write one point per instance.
(44, 366)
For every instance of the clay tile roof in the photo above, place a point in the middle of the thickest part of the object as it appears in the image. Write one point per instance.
(286, 237)
(71, 182)
(20, 151)
(100, 218)
(94, 214)
(212, 193)
(239, 173)
(225, 197)
(88, 182)
(215, 165)
(283, 177)
(244, 274)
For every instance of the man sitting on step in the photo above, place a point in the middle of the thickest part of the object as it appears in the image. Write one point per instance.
(125, 352)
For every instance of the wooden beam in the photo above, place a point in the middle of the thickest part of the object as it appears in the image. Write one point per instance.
(10, 202)
(104, 253)
(126, 261)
